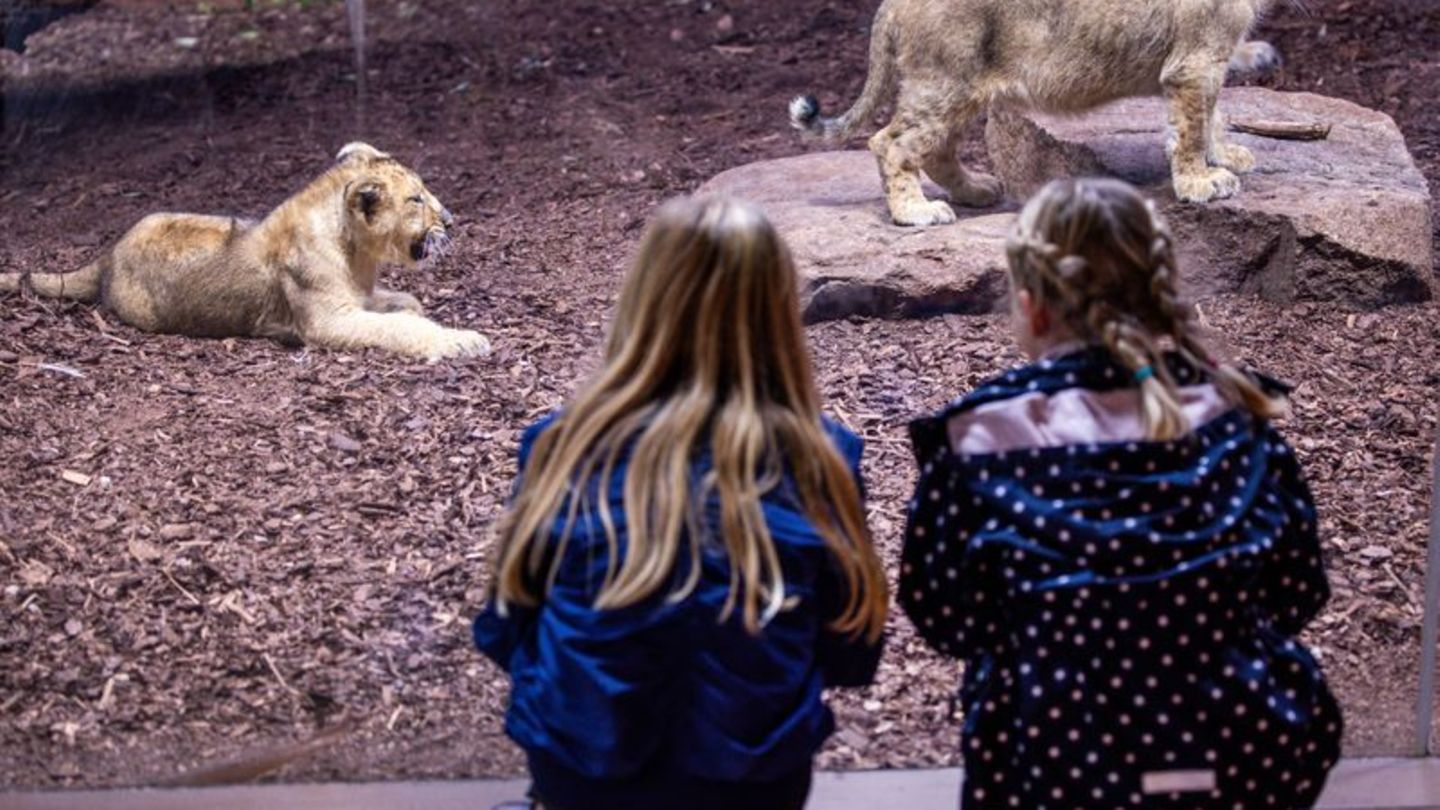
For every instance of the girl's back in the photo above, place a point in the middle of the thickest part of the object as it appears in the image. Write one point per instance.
(663, 684)
(685, 565)
(1119, 544)
(1125, 606)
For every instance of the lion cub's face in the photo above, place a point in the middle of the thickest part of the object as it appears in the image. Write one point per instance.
(396, 216)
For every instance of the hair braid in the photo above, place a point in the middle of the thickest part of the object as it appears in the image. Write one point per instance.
(1131, 344)
(1234, 384)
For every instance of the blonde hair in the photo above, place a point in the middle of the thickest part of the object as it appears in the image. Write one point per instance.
(707, 348)
(1098, 255)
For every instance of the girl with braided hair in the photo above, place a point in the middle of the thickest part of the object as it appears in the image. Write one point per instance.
(1118, 543)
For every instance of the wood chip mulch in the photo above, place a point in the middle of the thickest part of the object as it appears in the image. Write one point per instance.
(210, 550)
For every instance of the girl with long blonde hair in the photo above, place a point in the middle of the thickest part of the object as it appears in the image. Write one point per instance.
(685, 564)
(1118, 542)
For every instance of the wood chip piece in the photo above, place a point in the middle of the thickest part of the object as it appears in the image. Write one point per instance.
(79, 479)
(344, 443)
(1284, 130)
(176, 531)
(63, 370)
(36, 573)
(143, 550)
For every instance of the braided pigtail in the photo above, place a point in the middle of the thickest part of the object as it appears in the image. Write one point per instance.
(1241, 389)
(1159, 393)
(1131, 344)
(1237, 387)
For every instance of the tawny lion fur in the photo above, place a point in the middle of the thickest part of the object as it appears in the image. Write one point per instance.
(946, 61)
(306, 273)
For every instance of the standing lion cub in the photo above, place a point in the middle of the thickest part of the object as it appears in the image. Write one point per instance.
(305, 273)
(949, 60)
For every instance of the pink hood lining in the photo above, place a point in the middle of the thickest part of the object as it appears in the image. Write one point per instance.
(1071, 416)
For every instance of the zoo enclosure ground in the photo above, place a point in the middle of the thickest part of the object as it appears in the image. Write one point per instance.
(275, 542)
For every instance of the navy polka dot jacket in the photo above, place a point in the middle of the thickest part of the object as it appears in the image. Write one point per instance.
(1126, 611)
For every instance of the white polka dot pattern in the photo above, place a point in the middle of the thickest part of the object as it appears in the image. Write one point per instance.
(1134, 621)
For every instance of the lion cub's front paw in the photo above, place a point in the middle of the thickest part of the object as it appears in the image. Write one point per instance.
(1212, 184)
(1234, 157)
(459, 343)
(922, 212)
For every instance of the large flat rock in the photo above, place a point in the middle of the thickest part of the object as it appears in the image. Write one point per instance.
(853, 261)
(1344, 220)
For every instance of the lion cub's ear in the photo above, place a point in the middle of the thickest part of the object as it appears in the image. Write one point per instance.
(360, 151)
(365, 197)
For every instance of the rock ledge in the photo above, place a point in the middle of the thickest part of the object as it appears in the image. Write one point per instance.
(1343, 220)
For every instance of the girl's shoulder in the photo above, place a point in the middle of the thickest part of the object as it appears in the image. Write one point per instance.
(532, 432)
(534, 429)
(849, 443)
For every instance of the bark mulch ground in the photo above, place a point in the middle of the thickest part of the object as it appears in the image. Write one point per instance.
(210, 548)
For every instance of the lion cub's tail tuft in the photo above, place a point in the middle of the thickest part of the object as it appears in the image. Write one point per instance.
(805, 115)
(1255, 58)
(81, 285)
(879, 84)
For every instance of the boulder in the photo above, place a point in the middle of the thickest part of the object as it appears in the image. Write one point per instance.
(852, 260)
(1342, 220)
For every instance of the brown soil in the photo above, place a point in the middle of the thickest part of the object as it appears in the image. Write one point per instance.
(211, 548)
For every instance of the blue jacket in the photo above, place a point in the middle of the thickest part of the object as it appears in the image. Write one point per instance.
(665, 687)
(1126, 611)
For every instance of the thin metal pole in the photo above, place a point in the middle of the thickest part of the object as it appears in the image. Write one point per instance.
(356, 11)
(1424, 706)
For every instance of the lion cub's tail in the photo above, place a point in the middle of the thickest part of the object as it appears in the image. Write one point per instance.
(879, 84)
(81, 285)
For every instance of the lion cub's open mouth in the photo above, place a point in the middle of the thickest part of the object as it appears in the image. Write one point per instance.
(433, 243)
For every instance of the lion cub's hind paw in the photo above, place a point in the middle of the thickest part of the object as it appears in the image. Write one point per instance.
(1213, 184)
(1234, 157)
(923, 212)
(459, 343)
(980, 191)
(402, 302)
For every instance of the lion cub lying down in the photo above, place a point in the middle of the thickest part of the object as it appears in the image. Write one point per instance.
(306, 273)
(949, 60)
